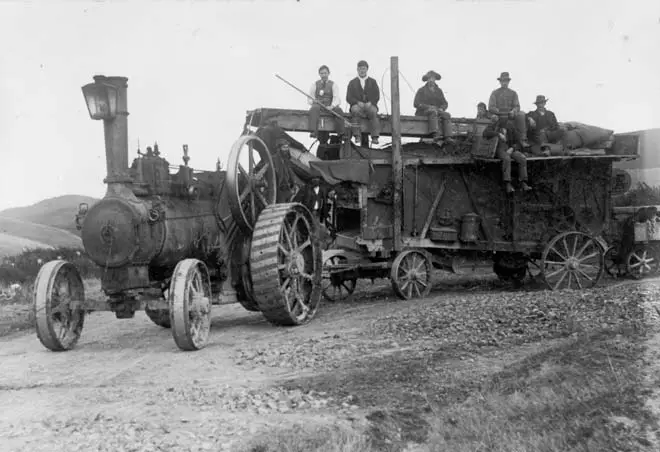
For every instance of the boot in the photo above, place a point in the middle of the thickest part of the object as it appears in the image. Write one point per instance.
(509, 188)
(524, 186)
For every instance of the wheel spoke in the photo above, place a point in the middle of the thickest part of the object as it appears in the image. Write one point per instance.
(591, 256)
(561, 256)
(560, 280)
(583, 249)
(261, 198)
(242, 171)
(262, 171)
(568, 253)
(304, 245)
(585, 275)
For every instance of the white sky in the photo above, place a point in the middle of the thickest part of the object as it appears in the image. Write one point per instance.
(196, 67)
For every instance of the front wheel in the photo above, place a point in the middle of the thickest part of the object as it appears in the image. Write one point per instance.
(190, 305)
(59, 294)
(411, 274)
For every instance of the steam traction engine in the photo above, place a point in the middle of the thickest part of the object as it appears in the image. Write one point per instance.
(175, 244)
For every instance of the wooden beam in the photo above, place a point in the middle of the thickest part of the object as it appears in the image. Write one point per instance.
(434, 207)
(397, 164)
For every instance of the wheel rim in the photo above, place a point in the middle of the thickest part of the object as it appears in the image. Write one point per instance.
(572, 260)
(297, 264)
(190, 305)
(333, 288)
(199, 299)
(411, 274)
(641, 262)
(251, 179)
(58, 289)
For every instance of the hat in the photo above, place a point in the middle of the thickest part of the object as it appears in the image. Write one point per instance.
(504, 76)
(540, 99)
(431, 74)
(362, 63)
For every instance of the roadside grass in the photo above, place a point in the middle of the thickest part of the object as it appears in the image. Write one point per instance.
(305, 438)
(581, 390)
(17, 311)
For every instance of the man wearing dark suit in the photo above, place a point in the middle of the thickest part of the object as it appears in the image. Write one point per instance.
(363, 95)
(508, 142)
(543, 125)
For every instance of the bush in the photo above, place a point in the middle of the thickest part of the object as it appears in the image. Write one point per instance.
(642, 195)
(25, 266)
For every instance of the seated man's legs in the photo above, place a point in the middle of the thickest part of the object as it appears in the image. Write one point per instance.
(506, 164)
(432, 115)
(446, 124)
(314, 114)
(339, 123)
(520, 122)
(372, 115)
(521, 160)
(355, 120)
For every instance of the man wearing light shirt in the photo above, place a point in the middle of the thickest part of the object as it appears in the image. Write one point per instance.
(326, 92)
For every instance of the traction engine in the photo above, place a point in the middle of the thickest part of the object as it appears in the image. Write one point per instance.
(175, 243)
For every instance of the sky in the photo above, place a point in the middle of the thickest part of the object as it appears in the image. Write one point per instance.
(195, 68)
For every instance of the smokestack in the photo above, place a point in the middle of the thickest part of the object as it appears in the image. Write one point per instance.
(116, 134)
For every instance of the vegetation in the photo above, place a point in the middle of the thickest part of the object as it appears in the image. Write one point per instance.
(24, 267)
(642, 195)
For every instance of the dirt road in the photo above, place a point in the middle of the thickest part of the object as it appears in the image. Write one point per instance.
(126, 382)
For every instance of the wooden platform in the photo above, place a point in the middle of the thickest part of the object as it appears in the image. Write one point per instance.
(298, 121)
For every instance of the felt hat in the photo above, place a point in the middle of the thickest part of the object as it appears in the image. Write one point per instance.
(540, 99)
(430, 74)
(504, 76)
(363, 63)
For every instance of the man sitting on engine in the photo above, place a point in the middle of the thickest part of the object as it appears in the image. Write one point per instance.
(543, 125)
(325, 92)
(504, 102)
(430, 101)
(507, 150)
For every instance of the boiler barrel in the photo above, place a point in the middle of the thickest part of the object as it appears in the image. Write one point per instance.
(120, 231)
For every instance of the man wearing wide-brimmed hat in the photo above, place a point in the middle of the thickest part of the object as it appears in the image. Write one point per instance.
(504, 102)
(363, 95)
(430, 101)
(543, 125)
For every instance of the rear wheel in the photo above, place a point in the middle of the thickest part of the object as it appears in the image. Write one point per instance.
(572, 260)
(336, 288)
(641, 262)
(411, 274)
(286, 264)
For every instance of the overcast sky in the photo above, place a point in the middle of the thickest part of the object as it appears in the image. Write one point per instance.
(196, 67)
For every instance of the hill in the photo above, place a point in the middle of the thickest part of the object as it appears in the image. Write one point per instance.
(58, 212)
(15, 235)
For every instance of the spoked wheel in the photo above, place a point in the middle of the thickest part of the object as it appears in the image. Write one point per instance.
(58, 297)
(334, 288)
(572, 260)
(286, 264)
(614, 265)
(641, 262)
(190, 305)
(411, 274)
(251, 180)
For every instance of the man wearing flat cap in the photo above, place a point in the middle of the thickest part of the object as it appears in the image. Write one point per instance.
(363, 95)
(543, 125)
(504, 103)
(430, 101)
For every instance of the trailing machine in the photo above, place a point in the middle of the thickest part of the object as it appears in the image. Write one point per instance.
(175, 243)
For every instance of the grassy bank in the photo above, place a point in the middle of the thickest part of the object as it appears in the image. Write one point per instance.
(569, 378)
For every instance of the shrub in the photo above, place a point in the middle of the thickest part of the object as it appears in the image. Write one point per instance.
(642, 195)
(25, 266)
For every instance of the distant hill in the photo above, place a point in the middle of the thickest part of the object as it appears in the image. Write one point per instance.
(58, 212)
(15, 235)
